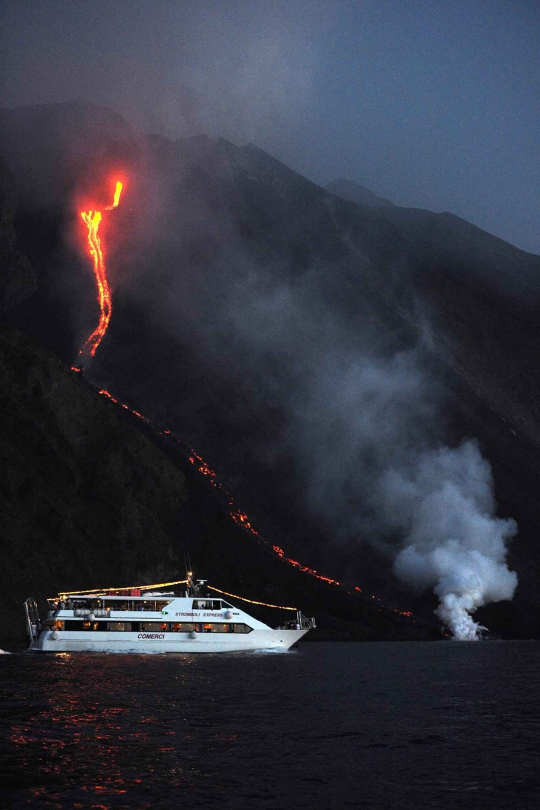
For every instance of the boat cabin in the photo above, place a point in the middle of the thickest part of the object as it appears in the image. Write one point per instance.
(147, 613)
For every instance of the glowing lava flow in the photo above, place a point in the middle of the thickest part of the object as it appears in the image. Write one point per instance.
(243, 520)
(105, 393)
(92, 220)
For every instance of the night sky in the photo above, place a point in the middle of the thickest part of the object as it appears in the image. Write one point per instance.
(432, 104)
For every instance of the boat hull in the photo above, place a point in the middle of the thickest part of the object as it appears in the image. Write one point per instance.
(126, 642)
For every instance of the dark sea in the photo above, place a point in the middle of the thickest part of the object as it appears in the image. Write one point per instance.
(330, 725)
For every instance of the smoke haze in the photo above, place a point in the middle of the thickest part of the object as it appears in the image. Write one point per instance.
(430, 105)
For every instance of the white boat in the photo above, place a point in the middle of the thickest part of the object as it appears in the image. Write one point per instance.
(145, 620)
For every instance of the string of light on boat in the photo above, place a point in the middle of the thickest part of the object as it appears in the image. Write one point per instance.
(121, 591)
(251, 601)
(104, 591)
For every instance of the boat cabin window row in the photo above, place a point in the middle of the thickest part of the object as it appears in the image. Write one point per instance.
(209, 604)
(99, 605)
(102, 606)
(154, 627)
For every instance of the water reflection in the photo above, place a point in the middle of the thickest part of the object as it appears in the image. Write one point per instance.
(326, 727)
(105, 729)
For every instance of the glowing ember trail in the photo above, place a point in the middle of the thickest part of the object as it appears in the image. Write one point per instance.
(279, 551)
(241, 518)
(105, 393)
(92, 220)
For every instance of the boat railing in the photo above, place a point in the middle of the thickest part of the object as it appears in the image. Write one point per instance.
(32, 621)
(305, 622)
(301, 623)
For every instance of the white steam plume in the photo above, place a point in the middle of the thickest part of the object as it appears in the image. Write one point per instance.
(455, 543)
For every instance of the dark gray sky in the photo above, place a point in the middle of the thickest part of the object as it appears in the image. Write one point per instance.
(434, 104)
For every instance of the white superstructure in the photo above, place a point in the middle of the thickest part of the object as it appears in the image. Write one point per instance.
(150, 621)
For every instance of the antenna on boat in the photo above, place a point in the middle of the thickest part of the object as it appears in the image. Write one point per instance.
(187, 562)
(189, 574)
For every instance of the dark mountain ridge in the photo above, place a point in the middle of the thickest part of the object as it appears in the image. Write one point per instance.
(222, 222)
(357, 193)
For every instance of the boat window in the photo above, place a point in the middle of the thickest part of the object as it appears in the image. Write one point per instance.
(207, 604)
(74, 625)
(215, 627)
(151, 604)
(154, 627)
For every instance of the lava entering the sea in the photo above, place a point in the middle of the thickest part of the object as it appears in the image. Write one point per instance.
(92, 220)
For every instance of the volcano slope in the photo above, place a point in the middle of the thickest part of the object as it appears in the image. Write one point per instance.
(232, 275)
(91, 494)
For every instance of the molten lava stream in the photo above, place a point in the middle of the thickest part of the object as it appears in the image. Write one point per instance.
(92, 220)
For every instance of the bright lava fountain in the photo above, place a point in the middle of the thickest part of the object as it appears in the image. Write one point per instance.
(92, 220)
